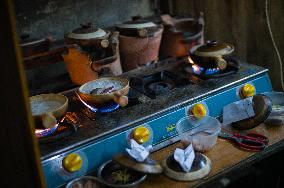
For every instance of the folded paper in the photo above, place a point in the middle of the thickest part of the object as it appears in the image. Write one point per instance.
(238, 111)
(137, 151)
(185, 157)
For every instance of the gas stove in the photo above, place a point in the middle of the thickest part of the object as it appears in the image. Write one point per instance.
(160, 95)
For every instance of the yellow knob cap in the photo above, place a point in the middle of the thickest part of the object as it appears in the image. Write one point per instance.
(199, 110)
(72, 162)
(141, 135)
(248, 90)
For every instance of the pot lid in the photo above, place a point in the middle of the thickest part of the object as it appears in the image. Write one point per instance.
(87, 31)
(214, 48)
(137, 24)
(149, 166)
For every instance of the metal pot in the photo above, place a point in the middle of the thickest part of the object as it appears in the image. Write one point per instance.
(212, 54)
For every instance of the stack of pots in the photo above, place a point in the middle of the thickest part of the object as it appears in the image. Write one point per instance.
(139, 43)
(181, 35)
(91, 53)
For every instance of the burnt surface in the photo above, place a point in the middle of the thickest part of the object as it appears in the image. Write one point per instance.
(113, 122)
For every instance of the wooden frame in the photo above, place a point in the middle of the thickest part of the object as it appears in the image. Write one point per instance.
(20, 159)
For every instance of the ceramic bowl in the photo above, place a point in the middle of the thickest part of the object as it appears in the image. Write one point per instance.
(119, 95)
(54, 105)
(114, 175)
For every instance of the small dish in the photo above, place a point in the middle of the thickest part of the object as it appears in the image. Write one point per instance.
(113, 174)
(85, 182)
(202, 133)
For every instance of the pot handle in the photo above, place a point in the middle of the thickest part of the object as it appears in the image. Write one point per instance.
(120, 99)
(48, 120)
(220, 62)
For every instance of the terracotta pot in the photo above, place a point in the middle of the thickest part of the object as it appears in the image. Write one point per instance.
(84, 67)
(180, 36)
(137, 51)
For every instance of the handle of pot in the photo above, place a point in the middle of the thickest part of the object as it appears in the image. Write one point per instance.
(120, 99)
(48, 120)
(220, 62)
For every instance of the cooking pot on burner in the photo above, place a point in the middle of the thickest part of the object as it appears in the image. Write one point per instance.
(212, 54)
(91, 52)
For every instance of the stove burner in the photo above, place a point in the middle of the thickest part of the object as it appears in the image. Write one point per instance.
(207, 73)
(64, 129)
(158, 83)
(45, 132)
(160, 87)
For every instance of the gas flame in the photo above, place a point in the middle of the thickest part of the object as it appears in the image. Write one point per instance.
(93, 109)
(190, 60)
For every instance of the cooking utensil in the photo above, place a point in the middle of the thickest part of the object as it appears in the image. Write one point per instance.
(277, 114)
(138, 28)
(85, 182)
(47, 109)
(118, 95)
(212, 54)
(201, 132)
(181, 36)
(113, 174)
(200, 168)
(32, 46)
(250, 141)
(262, 108)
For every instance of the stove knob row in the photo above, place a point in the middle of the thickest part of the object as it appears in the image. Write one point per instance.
(72, 162)
(247, 90)
(141, 134)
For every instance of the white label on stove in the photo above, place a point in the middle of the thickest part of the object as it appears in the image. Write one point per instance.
(238, 111)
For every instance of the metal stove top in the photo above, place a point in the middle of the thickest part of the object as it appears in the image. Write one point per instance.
(143, 105)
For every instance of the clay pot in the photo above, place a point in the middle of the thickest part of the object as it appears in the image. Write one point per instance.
(139, 51)
(88, 60)
(213, 54)
(180, 36)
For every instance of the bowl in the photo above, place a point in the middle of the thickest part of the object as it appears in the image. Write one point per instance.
(95, 92)
(202, 132)
(277, 114)
(84, 182)
(113, 174)
(47, 109)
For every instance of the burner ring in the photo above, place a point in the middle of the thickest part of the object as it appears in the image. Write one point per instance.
(160, 87)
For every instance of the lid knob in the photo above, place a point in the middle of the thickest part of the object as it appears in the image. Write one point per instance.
(141, 134)
(211, 42)
(72, 162)
(248, 90)
(199, 110)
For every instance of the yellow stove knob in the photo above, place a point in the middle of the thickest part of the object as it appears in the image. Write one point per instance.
(72, 162)
(199, 110)
(141, 134)
(248, 90)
